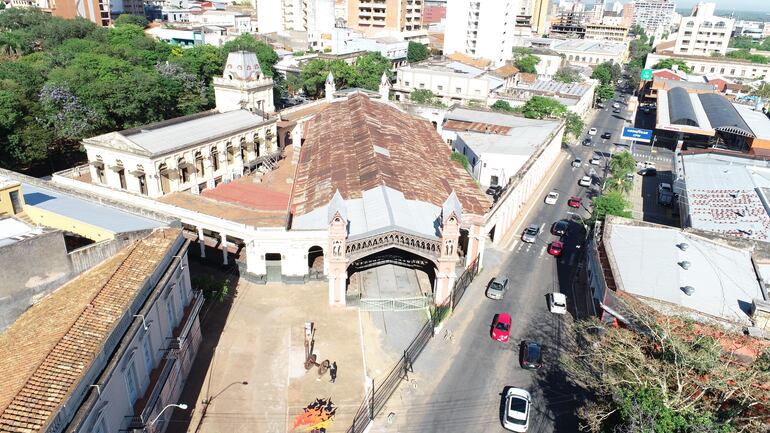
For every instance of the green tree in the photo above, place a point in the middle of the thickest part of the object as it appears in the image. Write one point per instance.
(574, 125)
(368, 70)
(605, 92)
(539, 107)
(525, 60)
(746, 55)
(568, 75)
(602, 74)
(610, 203)
(422, 96)
(416, 52)
(136, 20)
(762, 91)
(265, 54)
(501, 105)
(668, 63)
(743, 42)
(622, 163)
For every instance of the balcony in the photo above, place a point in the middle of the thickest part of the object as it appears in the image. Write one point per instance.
(182, 331)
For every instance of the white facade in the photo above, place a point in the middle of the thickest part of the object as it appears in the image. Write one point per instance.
(481, 29)
(239, 22)
(724, 66)
(548, 66)
(654, 15)
(703, 33)
(269, 16)
(452, 82)
(346, 41)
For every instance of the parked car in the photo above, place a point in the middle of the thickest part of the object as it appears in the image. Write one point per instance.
(501, 327)
(530, 355)
(575, 202)
(497, 288)
(665, 197)
(648, 172)
(607, 135)
(592, 131)
(552, 197)
(616, 105)
(556, 248)
(616, 111)
(646, 110)
(585, 181)
(587, 141)
(596, 161)
(557, 303)
(648, 164)
(663, 186)
(494, 190)
(599, 105)
(560, 227)
(530, 233)
(577, 162)
(517, 404)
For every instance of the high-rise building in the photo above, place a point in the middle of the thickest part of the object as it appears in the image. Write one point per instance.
(628, 14)
(481, 29)
(373, 15)
(540, 10)
(96, 11)
(311, 16)
(653, 15)
(703, 33)
(598, 11)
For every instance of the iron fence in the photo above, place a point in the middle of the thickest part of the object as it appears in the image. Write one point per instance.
(379, 393)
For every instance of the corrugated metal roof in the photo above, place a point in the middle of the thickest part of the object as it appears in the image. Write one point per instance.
(723, 115)
(680, 108)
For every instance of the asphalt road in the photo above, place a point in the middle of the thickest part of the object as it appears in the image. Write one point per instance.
(459, 381)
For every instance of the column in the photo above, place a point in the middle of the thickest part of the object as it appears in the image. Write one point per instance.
(223, 235)
(202, 242)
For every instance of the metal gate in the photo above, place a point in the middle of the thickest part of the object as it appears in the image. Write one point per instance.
(395, 304)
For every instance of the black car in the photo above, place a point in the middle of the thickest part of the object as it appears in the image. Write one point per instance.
(560, 227)
(494, 190)
(587, 142)
(530, 355)
(648, 172)
(607, 135)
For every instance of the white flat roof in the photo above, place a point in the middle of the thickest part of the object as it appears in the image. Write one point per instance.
(648, 265)
(520, 140)
(13, 230)
(756, 120)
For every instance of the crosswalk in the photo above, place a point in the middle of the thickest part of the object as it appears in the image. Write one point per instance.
(648, 157)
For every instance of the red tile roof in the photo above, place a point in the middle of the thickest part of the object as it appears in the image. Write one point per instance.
(461, 125)
(357, 144)
(47, 350)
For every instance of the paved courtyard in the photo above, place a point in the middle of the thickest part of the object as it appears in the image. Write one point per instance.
(262, 343)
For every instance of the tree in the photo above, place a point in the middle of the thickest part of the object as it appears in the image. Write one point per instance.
(747, 55)
(422, 96)
(136, 20)
(416, 52)
(602, 74)
(743, 42)
(525, 60)
(622, 164)
(762, 91)
(368, 70)
(574, 125)
(610, 203)
(668, 63)
(265, 54)
(501, 105)
(539, 107)
(605, 92)
(665, 374)
(568, 75)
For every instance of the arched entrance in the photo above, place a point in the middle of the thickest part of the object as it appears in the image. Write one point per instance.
(315, 262)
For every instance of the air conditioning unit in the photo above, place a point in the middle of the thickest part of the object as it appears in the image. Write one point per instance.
(210, 184)
(195, 189)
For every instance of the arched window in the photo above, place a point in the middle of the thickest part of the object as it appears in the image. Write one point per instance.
(214, 158)
(200, 168)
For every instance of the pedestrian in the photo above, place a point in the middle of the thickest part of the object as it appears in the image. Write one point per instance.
(333, 371)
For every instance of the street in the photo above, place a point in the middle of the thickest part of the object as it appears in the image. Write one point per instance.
(460, 379)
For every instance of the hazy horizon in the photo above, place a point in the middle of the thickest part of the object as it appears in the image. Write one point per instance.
(745, 5)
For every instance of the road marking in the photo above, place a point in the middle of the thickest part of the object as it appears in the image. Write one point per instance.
(513, 245)
(542, 226)
(542, 251)
(528, 247)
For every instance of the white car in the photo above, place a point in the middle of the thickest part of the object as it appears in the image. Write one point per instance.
(648, 164)
(592, 131)
(585, 181)
(552, 197)
(596, 161)
(557, 303)
(517, 404)
(616, 105)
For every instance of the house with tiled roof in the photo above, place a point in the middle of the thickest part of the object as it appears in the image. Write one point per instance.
(107, 351)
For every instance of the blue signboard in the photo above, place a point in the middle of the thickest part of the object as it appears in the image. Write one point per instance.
(637, 134)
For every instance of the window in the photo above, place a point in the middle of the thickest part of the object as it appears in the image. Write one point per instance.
(214, 158)
(406, 83)
(440, 88)
(458, 90)
(15, 202)
(149, 361)
(422, 85)
(170, 309)
(132, 384)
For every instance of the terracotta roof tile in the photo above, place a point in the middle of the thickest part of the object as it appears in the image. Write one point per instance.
(46, 351)
(506, 71)
(461, 125)
(357, 144)
(465, 59)
(527, 77)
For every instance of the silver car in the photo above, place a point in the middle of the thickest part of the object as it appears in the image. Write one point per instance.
(497, 288)
(530, 233)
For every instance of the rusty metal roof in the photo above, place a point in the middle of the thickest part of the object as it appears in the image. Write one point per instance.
(358, 144)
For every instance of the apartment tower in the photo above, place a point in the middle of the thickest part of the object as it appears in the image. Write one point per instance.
(481, 28)
(372, 15)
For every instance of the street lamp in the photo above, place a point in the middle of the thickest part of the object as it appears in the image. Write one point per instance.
(180, 406)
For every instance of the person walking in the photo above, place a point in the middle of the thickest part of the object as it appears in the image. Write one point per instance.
(333, 371)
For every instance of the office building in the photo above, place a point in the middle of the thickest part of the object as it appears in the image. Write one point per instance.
(481, 29)
(96, 11)
(703, 33)
(652, 15)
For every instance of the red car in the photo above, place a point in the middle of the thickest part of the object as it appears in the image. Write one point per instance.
(573, 202)
(501, 327)
(556, 248)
